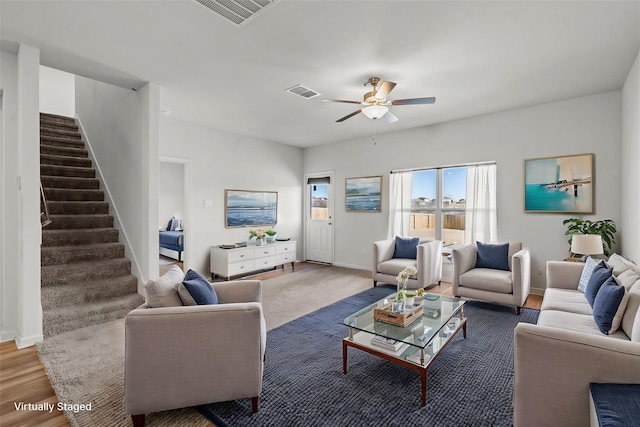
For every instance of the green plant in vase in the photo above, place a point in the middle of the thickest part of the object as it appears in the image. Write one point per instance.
(606, 228)
(271, 235)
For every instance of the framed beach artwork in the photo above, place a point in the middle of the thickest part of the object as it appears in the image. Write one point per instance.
(559, 184)
(363, 194)
(245, 208)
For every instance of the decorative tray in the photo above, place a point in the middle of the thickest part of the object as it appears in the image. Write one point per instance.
(385, 314)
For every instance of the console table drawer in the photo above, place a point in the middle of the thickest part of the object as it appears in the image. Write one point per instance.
(240, 255)
(241, 267)
(264, 250)
(265, 262)
(285, 258)
(289, 247)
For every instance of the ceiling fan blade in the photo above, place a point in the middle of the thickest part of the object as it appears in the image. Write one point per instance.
(390, 117)
(348, 116)
(414, 101)
(384, 89)
(341, 100)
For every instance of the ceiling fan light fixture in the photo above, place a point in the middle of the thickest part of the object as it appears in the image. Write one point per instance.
(375, 111)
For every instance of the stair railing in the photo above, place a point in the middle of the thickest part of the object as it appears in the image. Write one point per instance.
(45, 219)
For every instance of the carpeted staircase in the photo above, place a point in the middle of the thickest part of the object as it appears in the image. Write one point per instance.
(86, 280)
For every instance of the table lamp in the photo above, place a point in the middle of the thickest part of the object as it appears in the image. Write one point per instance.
(586, 244)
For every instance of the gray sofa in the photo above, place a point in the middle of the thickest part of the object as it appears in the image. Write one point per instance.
(557, 359)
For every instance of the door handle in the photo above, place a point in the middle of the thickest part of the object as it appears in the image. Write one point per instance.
(329, 223)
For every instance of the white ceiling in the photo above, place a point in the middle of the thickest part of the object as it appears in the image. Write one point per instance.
(475, 57)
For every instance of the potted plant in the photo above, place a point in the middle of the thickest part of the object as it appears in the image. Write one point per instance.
(606, 228)
(271, 236)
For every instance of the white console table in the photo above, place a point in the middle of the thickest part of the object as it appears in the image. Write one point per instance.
(231, 262)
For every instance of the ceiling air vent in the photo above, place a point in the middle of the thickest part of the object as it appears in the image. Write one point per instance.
(302, 91)
(237, 11)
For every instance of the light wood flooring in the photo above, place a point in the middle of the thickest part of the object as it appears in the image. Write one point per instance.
(23, 378)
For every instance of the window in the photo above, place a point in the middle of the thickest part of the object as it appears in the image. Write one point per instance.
(319, 201)
(438, 203)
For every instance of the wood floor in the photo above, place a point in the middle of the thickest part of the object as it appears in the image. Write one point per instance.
(23, 378)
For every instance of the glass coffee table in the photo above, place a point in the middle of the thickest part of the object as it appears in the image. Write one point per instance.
(414, 346)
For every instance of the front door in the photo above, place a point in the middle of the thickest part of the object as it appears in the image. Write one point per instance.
(319, 219)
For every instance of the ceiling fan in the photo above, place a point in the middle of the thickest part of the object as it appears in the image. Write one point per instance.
(376, 102)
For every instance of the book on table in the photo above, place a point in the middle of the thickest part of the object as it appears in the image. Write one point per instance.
(415, 358)
(388, 343)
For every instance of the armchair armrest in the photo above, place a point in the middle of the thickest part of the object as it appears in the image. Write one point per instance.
(464, 259)
(521, 274)
(190, 355)
(238, 291)
(382, 251)
(553, 369)
(429, 261)
(563, 274)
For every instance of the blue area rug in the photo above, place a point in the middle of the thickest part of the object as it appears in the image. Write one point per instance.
(469, 384)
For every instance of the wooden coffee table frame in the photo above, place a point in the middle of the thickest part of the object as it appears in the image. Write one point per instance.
(371, 349)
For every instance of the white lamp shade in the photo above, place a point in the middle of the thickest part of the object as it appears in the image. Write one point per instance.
(586, 244)
(375, 111)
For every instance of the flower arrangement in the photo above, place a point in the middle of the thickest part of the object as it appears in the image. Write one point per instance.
(403, 278)
(257, 234)
(407, 272)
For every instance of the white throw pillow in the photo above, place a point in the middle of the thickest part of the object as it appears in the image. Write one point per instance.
(627, 279)
(586, 273)
(163, 292)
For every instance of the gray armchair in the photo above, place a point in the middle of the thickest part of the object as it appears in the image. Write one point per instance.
(498, 286)
(184, 356)
(428, 262)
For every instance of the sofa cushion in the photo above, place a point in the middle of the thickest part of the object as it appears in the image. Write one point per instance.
(627, 278)
(395, 265)
(631, 318)
(163, 292)
(609, 306)
(487, 279)
(406, 247)
(574, 322)
(620, 264)
(495, 256)
(196, 290)
(586, 273)
(599, 275)
(570, 300)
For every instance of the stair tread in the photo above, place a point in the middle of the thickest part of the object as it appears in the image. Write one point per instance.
(85, 264)
(93, 305)
(83, 247)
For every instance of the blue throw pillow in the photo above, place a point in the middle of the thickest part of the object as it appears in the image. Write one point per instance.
(586, 273)
(199, 289)
(493, 256)
(606, 305)
(599, 275)
(406, 247)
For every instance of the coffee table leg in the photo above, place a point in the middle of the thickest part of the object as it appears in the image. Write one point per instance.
(423, 376)
(344, 357)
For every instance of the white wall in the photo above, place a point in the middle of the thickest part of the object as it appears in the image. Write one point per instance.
(219, 160)
(590, 124)
(115, 123)
(57, 92)
(21, 311)
(9, 275)
(630, 223)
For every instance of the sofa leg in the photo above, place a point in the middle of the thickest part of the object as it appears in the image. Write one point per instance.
(518, 310)
(375, 283)
(138, 420)
(254, 404)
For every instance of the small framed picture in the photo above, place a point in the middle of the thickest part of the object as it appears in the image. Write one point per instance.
(363, 194)
(559, 184)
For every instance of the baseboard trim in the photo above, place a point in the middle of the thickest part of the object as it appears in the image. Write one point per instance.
(24, 342)
(536, 291)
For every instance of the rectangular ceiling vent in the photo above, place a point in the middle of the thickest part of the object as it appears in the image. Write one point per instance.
(237, 11)
(302, 91)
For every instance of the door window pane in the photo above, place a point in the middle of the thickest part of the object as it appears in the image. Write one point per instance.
(319, 200)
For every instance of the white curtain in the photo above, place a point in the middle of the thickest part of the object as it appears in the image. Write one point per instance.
(399, 203)
(481, 222)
